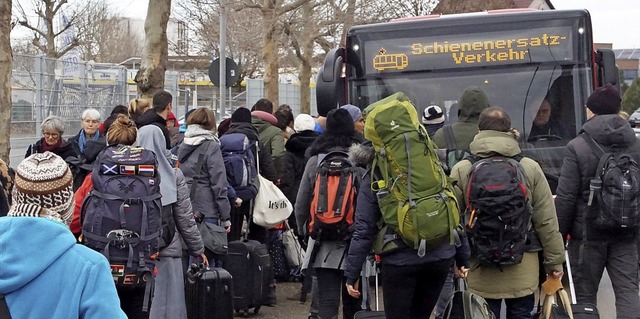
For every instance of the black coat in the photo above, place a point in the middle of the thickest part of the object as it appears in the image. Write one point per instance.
(294, 162)
(65, 150)
(579, 167)
(150, 117)
(267, 170)
(82, 164)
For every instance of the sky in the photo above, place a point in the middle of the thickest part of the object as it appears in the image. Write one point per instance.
(614, 21)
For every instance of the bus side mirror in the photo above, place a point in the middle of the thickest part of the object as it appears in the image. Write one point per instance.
(330, 84)
(607, 69)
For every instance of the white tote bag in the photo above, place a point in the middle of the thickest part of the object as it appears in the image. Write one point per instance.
(270, 207)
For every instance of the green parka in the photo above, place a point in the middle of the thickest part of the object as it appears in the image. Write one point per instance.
(522, 279)
(472, 102)
(272, 139)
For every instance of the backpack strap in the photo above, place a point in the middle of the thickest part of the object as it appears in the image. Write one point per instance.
(196, 177)
(452, 146)
(4, 308)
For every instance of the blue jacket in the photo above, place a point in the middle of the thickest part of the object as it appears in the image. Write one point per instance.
(45, 274)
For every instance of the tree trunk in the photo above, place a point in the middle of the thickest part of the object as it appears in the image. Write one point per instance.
(150, 76)
(6, 60)
(305, 61)
(270, 55)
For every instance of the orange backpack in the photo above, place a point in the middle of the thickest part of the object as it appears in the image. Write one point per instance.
(334, 198)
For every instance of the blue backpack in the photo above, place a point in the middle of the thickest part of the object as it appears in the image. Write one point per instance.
(240, 165)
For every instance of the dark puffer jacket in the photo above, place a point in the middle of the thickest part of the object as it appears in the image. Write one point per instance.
(294, 162)
(579, 167)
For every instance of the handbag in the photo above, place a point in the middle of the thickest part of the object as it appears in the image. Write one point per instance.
(213, 236)
(556, 306)
(292, 249)
(270, 206)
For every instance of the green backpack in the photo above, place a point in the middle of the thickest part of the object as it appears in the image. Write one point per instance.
(414, 193)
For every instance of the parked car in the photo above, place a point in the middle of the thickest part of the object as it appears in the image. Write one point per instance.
(634, 119)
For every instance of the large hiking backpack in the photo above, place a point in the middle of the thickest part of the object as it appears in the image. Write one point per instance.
(414, 193)
(614, 192)
(498, 210)
(334, 192)
(240, 164)
(122, 215)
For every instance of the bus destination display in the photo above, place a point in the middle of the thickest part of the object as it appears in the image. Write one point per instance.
(469, 50)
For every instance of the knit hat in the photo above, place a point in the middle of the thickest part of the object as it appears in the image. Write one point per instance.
(304, 122)
(604, 100)
(172, 117)
(432, 115)
(43, 188)
(339, 123)
(241, 115)
(353, 110)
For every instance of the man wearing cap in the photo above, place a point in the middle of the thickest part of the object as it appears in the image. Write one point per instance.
(44, 272)
(593, 249)
(433, 119)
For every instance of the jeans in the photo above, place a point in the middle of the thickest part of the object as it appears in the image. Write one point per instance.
(445, 295)
(517, 308)
(411, 292)
(620, 258)
(331, 286)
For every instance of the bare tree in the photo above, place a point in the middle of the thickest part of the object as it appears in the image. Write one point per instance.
(6, 59)
(457, 6)
(150, 76)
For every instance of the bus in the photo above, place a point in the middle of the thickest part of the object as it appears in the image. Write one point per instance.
(524, 60)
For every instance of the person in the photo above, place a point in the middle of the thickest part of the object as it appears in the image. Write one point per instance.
(356, 116)
(52, 130)
(168, 297)
(137, 107)
(285, 122)
(592, 248)
(33, 264)
(432, 119)
(517, 282)
(472, 103)
(6, 186)
(212, 188)
(241, 123)
(121, 132)
(328, 255)
(158, 114)
(88, 143)
(544, 127)
(174, 129)
(117, 110)
(270, 136)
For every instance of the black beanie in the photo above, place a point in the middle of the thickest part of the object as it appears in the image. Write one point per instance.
(604, 100)
(339, 122)
(241, 115)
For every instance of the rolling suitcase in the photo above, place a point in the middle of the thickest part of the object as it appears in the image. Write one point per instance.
(370, 268)
(208, 293)
(580, 311)
(249, 263)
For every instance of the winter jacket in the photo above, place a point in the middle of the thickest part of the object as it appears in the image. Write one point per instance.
(522, 279)
(367, 221)
(150, 117)
(267, 169)
(78, 199)
(271, 137)
(48, 275)
(579, 167)
(91, 146)
(6, 184)
(65, 150)
(211, 193)
(294, 162)
(185, 224)
(327, 254)
(472, 103)
(82, 164)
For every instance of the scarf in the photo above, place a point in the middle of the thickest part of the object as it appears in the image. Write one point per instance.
(50, 148)
(82, 139)
(196, 135)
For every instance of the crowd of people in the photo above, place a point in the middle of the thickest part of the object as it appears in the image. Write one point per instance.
(48, 194)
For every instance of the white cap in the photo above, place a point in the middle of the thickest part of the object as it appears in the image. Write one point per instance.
(432, 115)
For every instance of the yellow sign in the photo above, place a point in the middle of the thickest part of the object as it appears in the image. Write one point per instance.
(394, 61)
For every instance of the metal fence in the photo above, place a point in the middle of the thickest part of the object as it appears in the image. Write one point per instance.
(288, 94)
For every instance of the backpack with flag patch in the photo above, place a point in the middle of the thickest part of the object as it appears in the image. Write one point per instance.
(498, 210)
(614, 192)
(122, 217)
(240, 164)
(414, 194)
(334, 192)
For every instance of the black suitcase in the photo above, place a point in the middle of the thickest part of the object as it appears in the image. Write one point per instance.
(580, 311)
(208, 293)
(249, 263)
(368, 314)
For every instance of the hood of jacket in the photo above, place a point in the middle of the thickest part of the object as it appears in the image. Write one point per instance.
(362, 155)
(298, 143)
(23, 257)
(327, 142)
(151, 117)
(609, 130)
(196, 135)
(245, 128)
(487, 143)
(151, 138)
(472, 103)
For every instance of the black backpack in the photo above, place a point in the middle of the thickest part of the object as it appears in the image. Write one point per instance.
(498, 210)
(614, 192)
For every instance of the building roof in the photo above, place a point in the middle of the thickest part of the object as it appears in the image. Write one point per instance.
(527, 3)
(627, 54)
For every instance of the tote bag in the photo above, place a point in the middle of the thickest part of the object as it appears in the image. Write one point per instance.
(271, 207)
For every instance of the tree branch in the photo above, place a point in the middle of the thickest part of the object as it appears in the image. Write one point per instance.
(26, 24)
(290, 7)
